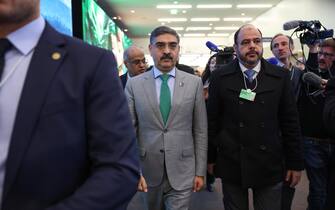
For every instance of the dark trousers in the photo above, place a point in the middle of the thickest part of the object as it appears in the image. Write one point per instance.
(265, 198)
(317, 162)
(287, 196)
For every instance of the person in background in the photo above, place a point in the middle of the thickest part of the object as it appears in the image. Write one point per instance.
(318, 144)
(134, 60)
(169, 114)
(329, 122)
(253, 127)
(282, 47)
(66, 136)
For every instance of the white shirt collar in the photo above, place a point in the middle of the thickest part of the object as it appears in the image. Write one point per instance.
(257, 68)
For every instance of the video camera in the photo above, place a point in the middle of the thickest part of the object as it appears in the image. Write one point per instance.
(311, 31)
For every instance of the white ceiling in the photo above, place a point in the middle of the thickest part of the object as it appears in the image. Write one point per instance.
(145, 16)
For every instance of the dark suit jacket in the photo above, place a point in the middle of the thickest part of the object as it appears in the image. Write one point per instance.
(249, 141)
(73, 144)
(124, 78)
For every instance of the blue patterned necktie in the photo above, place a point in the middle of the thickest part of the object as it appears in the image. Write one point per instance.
(250, 74)
(4, 47)
(165, 98)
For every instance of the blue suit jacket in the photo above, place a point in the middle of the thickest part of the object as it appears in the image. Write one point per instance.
(73, 145)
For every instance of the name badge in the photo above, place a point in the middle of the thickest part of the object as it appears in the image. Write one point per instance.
(247, 94)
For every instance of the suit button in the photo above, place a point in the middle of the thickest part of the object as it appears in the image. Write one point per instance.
(262, 124)
(161, 150)
(241, 102)
(165, 130)
(262, 102)
(241, 124)
(262, 147)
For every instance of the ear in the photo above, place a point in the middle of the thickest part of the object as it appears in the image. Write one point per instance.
(235, 47)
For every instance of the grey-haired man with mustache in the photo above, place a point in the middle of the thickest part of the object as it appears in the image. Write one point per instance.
(253, 127)
(169, 114)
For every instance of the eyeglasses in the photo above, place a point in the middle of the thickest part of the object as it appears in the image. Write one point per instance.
(325, 54)
(138, 61)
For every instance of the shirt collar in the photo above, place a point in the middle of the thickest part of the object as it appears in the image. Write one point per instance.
(257, 68)
(157, 72)
(26, 38)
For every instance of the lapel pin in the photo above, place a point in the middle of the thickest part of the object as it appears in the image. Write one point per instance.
(56, 56)
(181, 84)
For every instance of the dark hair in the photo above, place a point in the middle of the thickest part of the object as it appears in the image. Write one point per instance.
(280, 34)
(238, 31)
(163, 30)
(222, 58)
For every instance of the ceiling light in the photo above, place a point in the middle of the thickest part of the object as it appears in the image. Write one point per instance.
(205, 19)
(114, 18)
(218, 34)
(238, 19)
(256, 6)
(221, 28)
(214, 6)
(174, 6)
(125, 30)
(198, 28)
(172, 19)
(184, 11)
(178, 28)
(210, 24)
(193, 35)
(242, 14)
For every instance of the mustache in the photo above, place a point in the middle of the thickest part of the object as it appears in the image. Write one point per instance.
(252, 52)
(166, 56)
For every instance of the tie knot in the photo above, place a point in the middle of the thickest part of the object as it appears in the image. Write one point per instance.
(250, 73)
(4, 46)
(164, 77)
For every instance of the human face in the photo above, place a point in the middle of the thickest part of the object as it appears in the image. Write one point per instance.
(18, 11)
(281, 48)
(136, 63)
(165, 52)
(212, 64)
(326, 57)
(249, 46)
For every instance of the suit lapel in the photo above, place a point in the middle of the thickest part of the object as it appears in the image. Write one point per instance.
(43, 66)
(178, 95)
(149, 86)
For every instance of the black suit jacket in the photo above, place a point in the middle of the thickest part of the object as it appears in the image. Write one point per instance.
(249, 141)
(124, 78)
(73, 144)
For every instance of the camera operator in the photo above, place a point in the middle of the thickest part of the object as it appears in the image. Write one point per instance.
(318, 145)
(329, 122)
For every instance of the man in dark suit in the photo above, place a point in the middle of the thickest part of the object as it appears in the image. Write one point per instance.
(134, 60)
(282, 46)
(67, 141)
(253, 126)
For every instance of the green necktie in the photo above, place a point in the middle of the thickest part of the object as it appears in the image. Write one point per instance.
(165, 98)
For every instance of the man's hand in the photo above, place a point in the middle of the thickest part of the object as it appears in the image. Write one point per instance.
(323, 83)
(313, 48)
(142, 185)
(293, 177)
(198, 183)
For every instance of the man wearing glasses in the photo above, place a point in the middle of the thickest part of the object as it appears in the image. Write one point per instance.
(134, 60)
(169, 114)
(318, 146)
